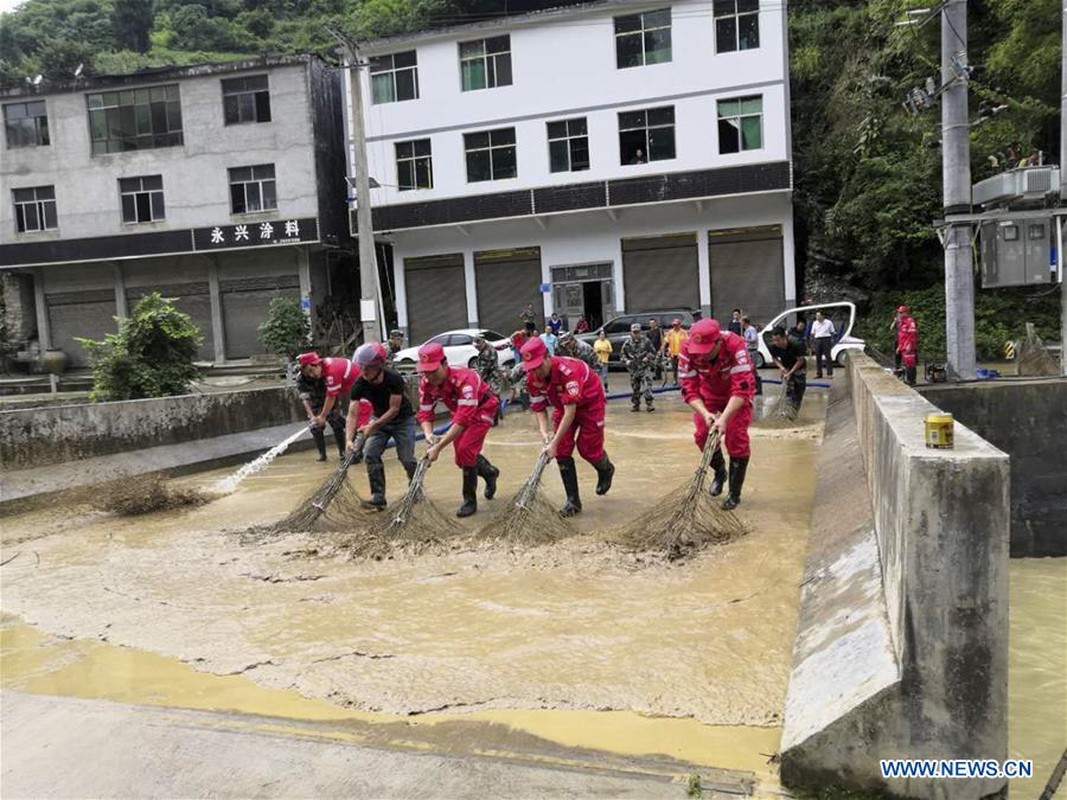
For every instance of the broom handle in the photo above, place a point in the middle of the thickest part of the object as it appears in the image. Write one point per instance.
(710, 446)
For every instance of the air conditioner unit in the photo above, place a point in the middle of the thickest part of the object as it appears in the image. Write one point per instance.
(1029, 185)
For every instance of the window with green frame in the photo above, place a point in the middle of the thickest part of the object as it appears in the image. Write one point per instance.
(740, 124)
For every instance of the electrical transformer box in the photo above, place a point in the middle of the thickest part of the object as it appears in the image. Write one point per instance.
(1016, 252)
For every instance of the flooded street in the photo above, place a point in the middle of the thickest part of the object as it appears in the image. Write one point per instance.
(572, 647)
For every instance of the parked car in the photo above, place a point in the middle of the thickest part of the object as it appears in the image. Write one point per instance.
(618, 329)
(844, 340)
(459, 348)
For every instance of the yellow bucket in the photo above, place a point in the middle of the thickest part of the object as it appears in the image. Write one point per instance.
(939, 431)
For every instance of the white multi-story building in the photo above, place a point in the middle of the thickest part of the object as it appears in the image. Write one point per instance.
(610, 157)
(220, 185)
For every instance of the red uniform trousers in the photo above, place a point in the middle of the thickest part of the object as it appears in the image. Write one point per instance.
(468, 445)
(587, 430)
(737, 443)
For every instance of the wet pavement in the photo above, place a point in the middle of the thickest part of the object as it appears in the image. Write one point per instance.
(572, 647)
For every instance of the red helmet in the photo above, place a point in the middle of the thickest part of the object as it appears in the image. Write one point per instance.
(308, 359)
(902, 309)
(533, 354)
(703, 336)
(431, 356)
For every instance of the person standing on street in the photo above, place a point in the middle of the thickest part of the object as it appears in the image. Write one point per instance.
(528, 315)
(672, 344)
(655, 336)
(735, 325)
(717, 384)
(474, 411)
(394, 345)
(550, 339)
(751, 337)
(907, 343)
(638, 356)
(573, 347)
(602, 348)
(393, 418)
(789, 357)
(823, 334)
(578, 408)
(555, 324)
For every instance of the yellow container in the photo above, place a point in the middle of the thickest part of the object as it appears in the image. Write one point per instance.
(939, 431)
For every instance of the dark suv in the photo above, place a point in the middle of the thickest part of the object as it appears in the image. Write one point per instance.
(618, 329)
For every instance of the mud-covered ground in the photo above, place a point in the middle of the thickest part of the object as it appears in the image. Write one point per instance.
(579, 625)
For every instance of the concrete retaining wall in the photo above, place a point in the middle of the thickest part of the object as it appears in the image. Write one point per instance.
(902, 639)
(1028, 421)
(40, 437)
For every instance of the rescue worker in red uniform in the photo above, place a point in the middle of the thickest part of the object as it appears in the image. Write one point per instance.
(340, 375)
(717, 382)
(907, 343)
(473, 405)
(576, 395)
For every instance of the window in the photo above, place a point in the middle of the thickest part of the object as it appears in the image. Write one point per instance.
(142, 198)
(1036, 232)
(460, 340)
(740, 124)
(490, 155)
(485, 63)
(26, 124)
(135, 119)
(1011, 233)
(245, 100)
(35, 209)
(646, 135)
(736, 25)
(414, 165)
(394, 78)
(568, 145)
(252, 189)
(642, 39)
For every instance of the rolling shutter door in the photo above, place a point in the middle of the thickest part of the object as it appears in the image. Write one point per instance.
(747, 273)
(246, 306)
(506, 281)
(88, 314)
(661, 273)
(436, 297)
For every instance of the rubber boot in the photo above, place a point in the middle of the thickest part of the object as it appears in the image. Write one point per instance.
(339, 438)
(320, 442)
(376, 478)
(718, 482)
(648, 404)
(470, 492)
(636, 406)
(605, 472)
(738, 468)
(489, 474)
(569, 473)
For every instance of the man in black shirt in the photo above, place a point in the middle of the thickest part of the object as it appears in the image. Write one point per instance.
(788, 355)
(393, 417)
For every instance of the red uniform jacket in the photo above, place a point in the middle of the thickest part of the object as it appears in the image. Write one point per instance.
(571, 382)
(907, 335)
(462, 391)
(340, 375)
(729, 375)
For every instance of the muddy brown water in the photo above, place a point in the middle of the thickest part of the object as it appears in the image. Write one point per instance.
(577, 644)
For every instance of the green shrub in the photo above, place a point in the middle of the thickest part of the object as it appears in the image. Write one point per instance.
(150, 356)
(287, 331)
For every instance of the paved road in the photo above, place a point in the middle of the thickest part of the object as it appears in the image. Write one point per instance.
(65, 747)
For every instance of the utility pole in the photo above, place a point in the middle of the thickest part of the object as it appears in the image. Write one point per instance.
(368, 260)
(956, 177)
(1063, 195)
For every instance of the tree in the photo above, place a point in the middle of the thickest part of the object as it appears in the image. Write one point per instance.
(287, 330)
(132, 23)
(150, 356)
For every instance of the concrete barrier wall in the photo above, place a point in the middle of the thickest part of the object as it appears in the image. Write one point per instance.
(41, 437)
(938, 520)
(1027, 420)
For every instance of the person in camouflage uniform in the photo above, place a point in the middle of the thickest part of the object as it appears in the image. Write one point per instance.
(394, 345)
(570, 345)
(487, 365)
(639, 357)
